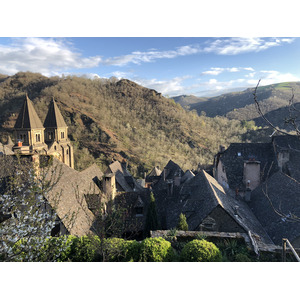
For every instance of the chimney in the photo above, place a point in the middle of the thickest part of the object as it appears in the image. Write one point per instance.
(248, 195)
(222, 148)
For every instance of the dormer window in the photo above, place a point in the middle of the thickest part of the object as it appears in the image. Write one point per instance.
(50, 135)
(239, 154)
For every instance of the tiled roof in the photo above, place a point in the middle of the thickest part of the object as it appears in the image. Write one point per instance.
(54, 118)
(154, 172)
(123, 177)
(72, 208)
(233, 160)
(5, 149)
(278, 197)
(198, 197)
(28, 118)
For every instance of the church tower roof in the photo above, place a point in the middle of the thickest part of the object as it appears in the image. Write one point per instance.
(54, 118)
(28, 118)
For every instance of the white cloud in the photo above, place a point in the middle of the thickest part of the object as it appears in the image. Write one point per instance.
(217, 71)
(172, 87)
(46, 56)
(233, 69)
(213, 71)
(120, 74)
(271, 76)
(232, 46)
(137, 57)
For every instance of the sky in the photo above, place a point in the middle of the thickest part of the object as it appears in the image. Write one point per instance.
(200, 66)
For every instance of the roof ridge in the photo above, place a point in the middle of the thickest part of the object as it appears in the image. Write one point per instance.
(28, 117)
(212, 190)
(54, 118)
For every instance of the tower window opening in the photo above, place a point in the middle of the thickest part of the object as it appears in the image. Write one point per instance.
(37, 137)
(62, 135)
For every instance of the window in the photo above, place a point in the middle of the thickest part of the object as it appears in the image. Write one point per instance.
(37, 137)
(67, 151)
(50, 135)
(62, 135)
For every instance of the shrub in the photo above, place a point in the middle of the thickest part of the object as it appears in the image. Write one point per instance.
(133, 251)
(114, 249)
(200, 250)
(182, 224)
(156, 250)
(241, 257)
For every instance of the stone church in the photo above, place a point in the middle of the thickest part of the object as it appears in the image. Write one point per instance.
(51, 138)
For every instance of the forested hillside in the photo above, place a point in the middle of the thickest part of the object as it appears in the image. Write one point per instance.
(273, 99)
(109, 119)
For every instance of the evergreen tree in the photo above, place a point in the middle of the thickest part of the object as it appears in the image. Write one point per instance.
(182, 224)
(151, 218)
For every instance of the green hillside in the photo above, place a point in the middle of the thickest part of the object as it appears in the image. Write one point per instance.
(186, 100)
(240, 105)
(119, 119)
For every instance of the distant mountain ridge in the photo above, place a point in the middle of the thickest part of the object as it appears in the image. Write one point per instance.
(240, 105)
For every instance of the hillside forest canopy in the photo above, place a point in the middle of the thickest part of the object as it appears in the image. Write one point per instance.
(119, 119)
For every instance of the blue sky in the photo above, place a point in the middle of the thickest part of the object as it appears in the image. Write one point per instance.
(201, 66)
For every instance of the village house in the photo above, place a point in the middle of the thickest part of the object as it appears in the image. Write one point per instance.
(254, 189)
(33, 141)
(266, 177)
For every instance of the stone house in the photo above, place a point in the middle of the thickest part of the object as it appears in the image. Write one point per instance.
(265, 176)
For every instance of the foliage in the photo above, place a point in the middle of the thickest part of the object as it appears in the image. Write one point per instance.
(241, 257)
(182, 224)
(84, 249)
(233, 250)
(156, 250)
(120, 250)
(27, 214)
(113, 119)
(151, 217)
(200, 251)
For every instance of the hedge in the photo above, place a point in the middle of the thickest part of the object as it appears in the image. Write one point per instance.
(200, 251)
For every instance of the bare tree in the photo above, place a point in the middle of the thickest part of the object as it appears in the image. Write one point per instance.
(27, 217)
(292, 118)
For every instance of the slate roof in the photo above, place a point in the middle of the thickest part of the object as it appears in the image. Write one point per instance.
(286, 142)
(234, 156)
(172, 169)
(123, 177)
(154, 172)
(73, 209)
(54, 118)
(283, 197)
(5, 149)
(291, 144)
(28, 118)
(187, 176)
(93, 172)
(197, 199)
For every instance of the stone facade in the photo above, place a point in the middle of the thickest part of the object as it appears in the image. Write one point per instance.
(32, 137)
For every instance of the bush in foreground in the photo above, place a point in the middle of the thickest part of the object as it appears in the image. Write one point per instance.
(156, 250)
(200, 251)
